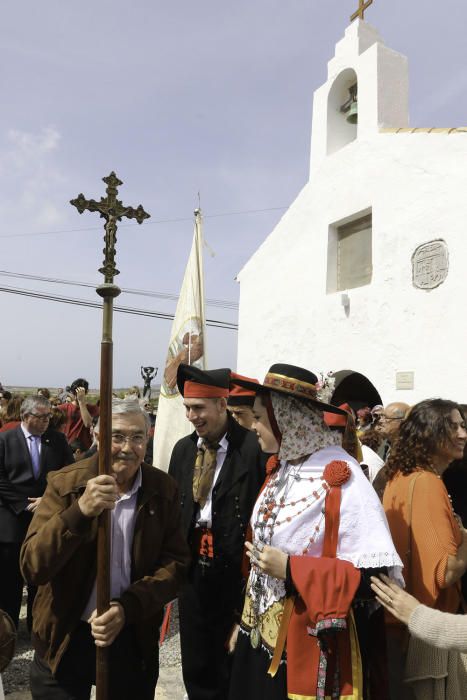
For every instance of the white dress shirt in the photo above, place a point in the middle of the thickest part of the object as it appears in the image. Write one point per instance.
(204, 514)
(373, 461)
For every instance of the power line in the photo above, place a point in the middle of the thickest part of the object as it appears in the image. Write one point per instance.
(146, 223)
(139, 292)
(120, 309)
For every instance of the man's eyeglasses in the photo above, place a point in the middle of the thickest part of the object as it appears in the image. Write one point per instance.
(41, 416)
(120, 440)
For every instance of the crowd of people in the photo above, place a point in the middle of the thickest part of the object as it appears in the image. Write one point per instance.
(316, 550)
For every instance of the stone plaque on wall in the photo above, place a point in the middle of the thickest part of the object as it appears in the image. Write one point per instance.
(405, 380)
(430, 264)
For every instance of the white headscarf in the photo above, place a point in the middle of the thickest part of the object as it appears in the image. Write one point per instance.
(302, 426)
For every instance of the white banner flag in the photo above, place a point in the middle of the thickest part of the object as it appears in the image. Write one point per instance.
(187, 345)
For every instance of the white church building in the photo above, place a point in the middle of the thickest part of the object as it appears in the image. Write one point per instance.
(366, 271)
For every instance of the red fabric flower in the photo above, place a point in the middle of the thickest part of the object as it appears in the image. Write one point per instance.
(336, 473)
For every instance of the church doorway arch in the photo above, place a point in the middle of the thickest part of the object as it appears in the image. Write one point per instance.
(355, 389)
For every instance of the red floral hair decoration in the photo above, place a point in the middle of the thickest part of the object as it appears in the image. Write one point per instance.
(336, 473)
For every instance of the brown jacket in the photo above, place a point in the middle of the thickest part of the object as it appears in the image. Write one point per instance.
(59, 556)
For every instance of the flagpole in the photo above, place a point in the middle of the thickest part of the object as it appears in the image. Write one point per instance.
(199, 237)
(186, 344)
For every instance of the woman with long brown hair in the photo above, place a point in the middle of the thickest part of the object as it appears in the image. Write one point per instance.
(430, 540)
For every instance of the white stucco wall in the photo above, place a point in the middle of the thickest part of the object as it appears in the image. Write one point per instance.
(416, 187)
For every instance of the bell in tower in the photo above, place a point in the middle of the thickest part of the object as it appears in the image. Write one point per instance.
(350, 107)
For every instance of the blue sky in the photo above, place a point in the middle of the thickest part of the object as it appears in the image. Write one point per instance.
(177, 98)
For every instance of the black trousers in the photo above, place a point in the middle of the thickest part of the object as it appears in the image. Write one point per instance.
(206, 609)
(11, 581)
(129, 677)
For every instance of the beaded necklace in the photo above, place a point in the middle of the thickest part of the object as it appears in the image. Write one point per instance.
(275, 502)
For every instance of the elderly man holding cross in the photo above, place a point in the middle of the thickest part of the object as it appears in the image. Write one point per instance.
(149, 558)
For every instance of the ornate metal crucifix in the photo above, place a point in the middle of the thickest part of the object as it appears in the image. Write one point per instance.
(363, 5)
(112, 210)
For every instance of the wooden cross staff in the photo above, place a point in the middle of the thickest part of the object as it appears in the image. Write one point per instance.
(112, 210)
(363, 5)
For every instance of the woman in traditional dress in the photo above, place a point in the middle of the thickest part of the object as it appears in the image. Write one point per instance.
(316, 526)
(431, 542)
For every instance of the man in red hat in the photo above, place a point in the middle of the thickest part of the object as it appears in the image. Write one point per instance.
(241, 401)
(219, 469)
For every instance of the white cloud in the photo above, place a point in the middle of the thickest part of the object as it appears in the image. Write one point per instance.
(27, 147)
(46, 140)
(32, 178)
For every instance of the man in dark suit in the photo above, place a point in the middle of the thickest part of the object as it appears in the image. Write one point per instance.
(27, 454)
(219, 469)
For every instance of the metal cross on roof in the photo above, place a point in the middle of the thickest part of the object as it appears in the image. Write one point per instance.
(362, 6)
(112, 210)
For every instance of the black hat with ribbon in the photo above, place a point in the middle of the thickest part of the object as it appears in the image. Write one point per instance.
(198, 383)
(240, 395)
(292, 381)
